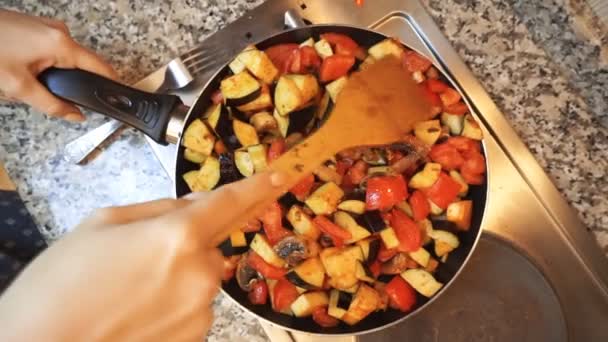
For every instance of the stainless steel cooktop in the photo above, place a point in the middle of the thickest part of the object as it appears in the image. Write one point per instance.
(536, 275)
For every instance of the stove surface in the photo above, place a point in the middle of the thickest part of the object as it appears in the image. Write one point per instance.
(536, 274)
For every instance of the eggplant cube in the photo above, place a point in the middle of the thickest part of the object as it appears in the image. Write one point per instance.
(420, 256)
(347, 222)
(190, 179)
(199, 138)
(244, 163)
(325, 199)
(341, 265)
(334, 309)
(422, 281)
(335, 87)
(193, 156)
(365, 301)
(453, 122)
(389, 238)
(471, 128)
(208, 175)
(287, 96)
(311, 271)
(258, 63)
(307, 85)
(306, 303)
(282, 122)
(302, 224)
(323, 48)
(240, 88)
(245, 133)
(263, 248)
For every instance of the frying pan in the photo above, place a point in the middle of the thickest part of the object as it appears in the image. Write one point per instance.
(163, 118)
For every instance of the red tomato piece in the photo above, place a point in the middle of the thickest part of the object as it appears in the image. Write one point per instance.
(443, 192)
(323, 319)
(376, 268)
(474, 162)
(217, 97)
(459, 108)
(401, 294)
(309, 59)
(277, 147)
(384, 192)
(446, 155)
(336, 66)
(385, 254)
(464, 144)
(407, 231)
(413, 62)
(449, 97)
(342, 44)
(267, 270)
(420, 205)
(258, 295)
(338, 234)
(273, 223)
(284, 294)
(219, 147)
(436, 86)
(472, 178)
(432, 98)
(358, 172)
(343, 165)
(302, 189)
(294, 62)
(279, 54)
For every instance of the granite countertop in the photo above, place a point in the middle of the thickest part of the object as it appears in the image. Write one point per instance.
(543, 62)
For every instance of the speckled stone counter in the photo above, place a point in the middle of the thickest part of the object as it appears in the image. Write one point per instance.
(543, 62)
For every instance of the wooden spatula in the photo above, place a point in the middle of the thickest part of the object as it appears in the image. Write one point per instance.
(378, 106)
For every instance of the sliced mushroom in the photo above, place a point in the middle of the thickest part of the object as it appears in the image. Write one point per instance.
(414, 152)
(245, 274)
(396, 265)
(293, 249)
(374, 156)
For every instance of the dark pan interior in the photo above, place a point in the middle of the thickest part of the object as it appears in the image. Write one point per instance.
(445, 273)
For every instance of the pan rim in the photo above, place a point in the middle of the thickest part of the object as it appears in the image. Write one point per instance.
(484, 210)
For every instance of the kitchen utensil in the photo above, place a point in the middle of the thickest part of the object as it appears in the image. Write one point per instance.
(163, 118)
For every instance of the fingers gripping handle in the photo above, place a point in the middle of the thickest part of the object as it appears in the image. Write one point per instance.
(149, 113)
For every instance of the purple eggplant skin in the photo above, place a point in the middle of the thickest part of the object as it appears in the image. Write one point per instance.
(229, 173)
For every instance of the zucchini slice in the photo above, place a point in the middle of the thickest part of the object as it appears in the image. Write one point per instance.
(237, 65)
(308, 42)
(193, 156)
(190, 179)
(263, 248)
(263, 122)
(453, 122)
(305, 304)
(325, 199)
(389, 238)
(346, 221)
(287, 96)
(335, 87)
(364, 273)
(323, 48)
(245, 133)
(428, 131)
(338, 303)
(387, 47)
(240, 88)
(209, 174)
(420, 256)
(212, 115)
(258, 63)
(311, 271)
(370, 248)
(302, 224)
(365, 301)
(422, 281)
(257, 154)
(352, 206)
(341, 265)
(244, 163)
(199, 138)
(427, 177)
(307, 84)
(471, 128)
(282, 122)
(264, 101)
(445, 242)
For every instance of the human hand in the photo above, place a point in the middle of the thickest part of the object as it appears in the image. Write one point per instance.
(32, 44)
(144, 272)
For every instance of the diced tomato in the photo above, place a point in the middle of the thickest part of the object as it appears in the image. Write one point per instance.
(436, 86)
(358, 172)
(323, 319)
(386, 216)
(407, 231)
(267, 270)
(217, 97)
(413, 62)
(341, 43)
(420, 205)
(459, 108)
(302, 189)
(277, 147)
(402, 295)
(343, 165)
(253, 225)
(336, 66)
(446, 155)
(258, 295)
(464, 144)
(433, 99)
(472, 178)
(338, 234)
(230, 264)
(284, 294)
(294, 62)
(375, 268)
(385, 254)
(279, 54)
(474, 162)
(273, 223)
(384, 192)
(444, 191)
(219, 147)
(309, 59)
(449, 97)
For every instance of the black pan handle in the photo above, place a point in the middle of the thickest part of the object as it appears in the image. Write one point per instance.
(148, 112)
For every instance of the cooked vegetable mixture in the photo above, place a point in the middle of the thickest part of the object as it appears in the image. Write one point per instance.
(357, 235)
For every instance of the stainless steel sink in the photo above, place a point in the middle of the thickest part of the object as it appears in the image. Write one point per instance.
(537, 275)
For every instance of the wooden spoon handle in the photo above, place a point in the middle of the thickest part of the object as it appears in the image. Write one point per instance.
(296, 163)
